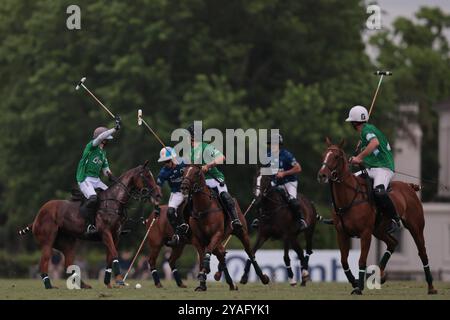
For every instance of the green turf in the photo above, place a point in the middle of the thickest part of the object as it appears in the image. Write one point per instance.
(33, 289)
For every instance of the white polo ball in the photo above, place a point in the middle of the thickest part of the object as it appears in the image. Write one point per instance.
(138, 286)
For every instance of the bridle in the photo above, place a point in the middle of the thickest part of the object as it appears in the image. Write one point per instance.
(334, 175)
(144, 194)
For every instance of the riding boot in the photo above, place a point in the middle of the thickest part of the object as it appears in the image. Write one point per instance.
(89, 210)
(179, 226)
(231, 209)
(257, 206)
(386, 206)
(294, 205)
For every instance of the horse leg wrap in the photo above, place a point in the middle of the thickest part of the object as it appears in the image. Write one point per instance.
(361, 278)
(289, 272)
(46, 281)
(107, 278)
(350, 277)
(306, 266)
(384, 260)
(202, 278)
(228, 278)
(116, 266)
(428, 275)
(206, 262)
(247, 266)
(155, 276)
(257, 268)
(176, 276)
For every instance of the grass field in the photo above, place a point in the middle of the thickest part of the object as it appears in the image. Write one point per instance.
(33, 289)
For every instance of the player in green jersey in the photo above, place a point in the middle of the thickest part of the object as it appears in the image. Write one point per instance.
(209, 157)
(376, 155)
(92, 163)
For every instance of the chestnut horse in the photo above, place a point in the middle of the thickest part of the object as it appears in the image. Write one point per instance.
(276, 221)
(355, 215)
(59, 223)
(209, 227)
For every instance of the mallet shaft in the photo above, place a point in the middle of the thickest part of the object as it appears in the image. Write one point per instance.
(139, 249)
(93, 96)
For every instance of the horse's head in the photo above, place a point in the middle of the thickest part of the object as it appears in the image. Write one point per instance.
(262, 182)
(334, 162)
(193, 179)
(144, 185)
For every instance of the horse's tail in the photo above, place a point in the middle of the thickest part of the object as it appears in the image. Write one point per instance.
(25, 230)
(415, 187)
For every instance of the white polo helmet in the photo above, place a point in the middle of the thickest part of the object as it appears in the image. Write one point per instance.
(167, 153)
(358, 114)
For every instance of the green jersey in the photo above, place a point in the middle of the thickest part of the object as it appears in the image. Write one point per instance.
(204, 153)
(92, 162)
(382, 156)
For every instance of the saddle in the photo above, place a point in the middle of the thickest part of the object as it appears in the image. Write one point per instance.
(77, 196)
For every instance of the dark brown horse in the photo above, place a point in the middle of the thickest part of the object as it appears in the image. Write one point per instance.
(210, 227)
(355, 215)
(276, 221)
(59, 224)
(161, 231)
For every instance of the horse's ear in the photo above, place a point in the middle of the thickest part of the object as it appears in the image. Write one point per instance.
(328, 141)
(145, 164)
(342, 143)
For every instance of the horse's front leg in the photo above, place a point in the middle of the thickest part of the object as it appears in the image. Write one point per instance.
(202, 272)
(112, 256)
(344, 247)
(215, 241)
(366, 238)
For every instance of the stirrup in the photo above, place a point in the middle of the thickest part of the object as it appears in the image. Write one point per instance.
(395, 226)
(174, 241)
(236, 223)
(255, 223)
(91, 229)
(303, 224)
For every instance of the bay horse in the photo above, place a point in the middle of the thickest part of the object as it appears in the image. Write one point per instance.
(59, 223)
(161, 231)
(277, 222)
(209, 227)
(355, 215)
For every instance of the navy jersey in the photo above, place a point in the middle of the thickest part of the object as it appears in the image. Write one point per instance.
(172, 176)
(284, 162)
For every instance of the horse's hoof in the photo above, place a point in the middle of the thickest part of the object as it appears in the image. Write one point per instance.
(200, 288)
(265, 279)
(109, 286)
(303, 283)
(217, 276)
(182, 285)
(158, 285)
(432, 291)
(120, 283)
(244, 280)
(233, 287)
(357, 291)
(85, 286)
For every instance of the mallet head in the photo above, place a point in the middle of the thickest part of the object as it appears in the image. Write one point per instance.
(139, 117)
(382, 73)
(80, 83)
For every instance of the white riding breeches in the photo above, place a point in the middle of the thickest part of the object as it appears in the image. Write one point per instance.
(89, 185)
(290, 187)
(212, 183)
(379, 175)
(176, 198)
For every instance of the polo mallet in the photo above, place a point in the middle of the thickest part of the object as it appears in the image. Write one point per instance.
(381, 74)
(245, 213)
(142, 121)
(139, 250)
(81, 84)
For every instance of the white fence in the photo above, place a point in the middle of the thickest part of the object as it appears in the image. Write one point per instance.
(324, 265)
